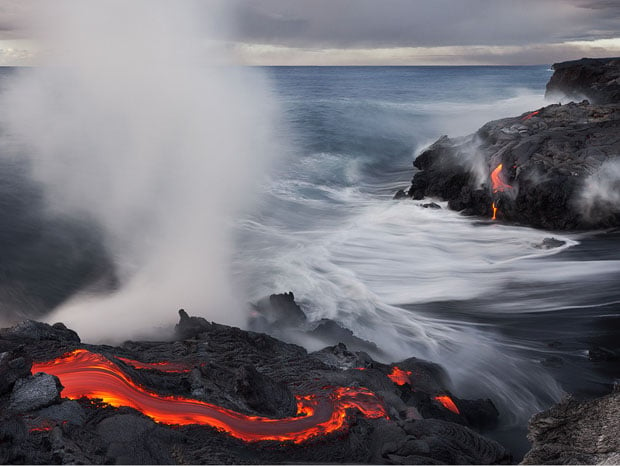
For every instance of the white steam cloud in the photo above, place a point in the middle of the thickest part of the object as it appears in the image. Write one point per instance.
(601, 193)
(135, 120)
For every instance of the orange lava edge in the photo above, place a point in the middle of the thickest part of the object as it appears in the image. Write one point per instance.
(399, 376)
(91, 375)
(447, 403)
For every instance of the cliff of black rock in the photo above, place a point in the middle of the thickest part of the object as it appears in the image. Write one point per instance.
(595, 79)
(218, 394)
(557, 167)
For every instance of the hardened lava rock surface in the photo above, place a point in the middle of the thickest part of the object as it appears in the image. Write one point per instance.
(248, 373)
(558, 166)
(577, 432)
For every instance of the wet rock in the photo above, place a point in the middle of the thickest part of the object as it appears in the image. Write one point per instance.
(331, 331)
(550, 243)
(400, 194)
(35, 392)
(281, 310)
(263, 394)
(597, 79)
(576, 432)
(32, 330)
(480, 414)
(431, 205)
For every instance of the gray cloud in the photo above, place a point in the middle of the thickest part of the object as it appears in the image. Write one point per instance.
(538, 28)
(384, 23)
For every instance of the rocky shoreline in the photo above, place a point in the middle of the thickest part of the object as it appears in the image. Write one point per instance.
(252, 377)
(556, 167)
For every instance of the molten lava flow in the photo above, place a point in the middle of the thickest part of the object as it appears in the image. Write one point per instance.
(399, 376)
(499, 186)
(165, 366)
(91, 375)
(496, 180)
(447, 403)
(527, 117)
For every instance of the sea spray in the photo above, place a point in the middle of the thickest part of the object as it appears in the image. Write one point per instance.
(136, 119)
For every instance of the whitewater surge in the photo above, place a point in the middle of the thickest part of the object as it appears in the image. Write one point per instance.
(485, 300)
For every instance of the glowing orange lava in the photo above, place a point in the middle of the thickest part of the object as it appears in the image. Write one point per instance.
(447, 403)
(527, 117)
(91, 375)
(496, 180)
(173, 367)
(494, 212)
(399, 376)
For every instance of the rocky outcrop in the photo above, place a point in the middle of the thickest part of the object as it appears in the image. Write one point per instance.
(555, 168)
(577, 432)
(281, 316)
(247, 373)
(596, 79)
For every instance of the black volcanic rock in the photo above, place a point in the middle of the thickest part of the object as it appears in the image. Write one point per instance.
(189, 327)
(577, 432)
(32, 330)
(250, 373)
(34, 392)
(281, 310)
(263, 394)
(560, 162)
(11, 369)
(597, 79)
(555, 161)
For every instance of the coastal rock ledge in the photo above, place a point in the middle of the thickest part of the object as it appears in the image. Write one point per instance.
(577, 432)
(557, 167)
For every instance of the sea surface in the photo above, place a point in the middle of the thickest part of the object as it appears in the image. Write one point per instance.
(508, 320)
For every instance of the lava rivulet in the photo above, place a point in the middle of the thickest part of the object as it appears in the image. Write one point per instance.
(496, 180)
(91, 375)
(447, 403)
(530, 115)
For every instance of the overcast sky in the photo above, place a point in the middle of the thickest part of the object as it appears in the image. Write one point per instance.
(392, 32)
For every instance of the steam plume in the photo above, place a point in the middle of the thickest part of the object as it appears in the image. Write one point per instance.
(601, 193)
(135, 120)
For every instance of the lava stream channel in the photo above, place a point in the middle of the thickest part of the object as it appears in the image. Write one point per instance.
(91, 375)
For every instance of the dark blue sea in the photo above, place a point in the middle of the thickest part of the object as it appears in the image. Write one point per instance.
(508, 320)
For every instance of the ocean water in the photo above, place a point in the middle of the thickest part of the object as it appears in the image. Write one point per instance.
(508, 320)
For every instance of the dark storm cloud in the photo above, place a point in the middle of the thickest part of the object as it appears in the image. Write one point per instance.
(392, 23)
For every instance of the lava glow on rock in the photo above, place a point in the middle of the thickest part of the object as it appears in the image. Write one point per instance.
(91, 375)
(530, 115)
(399, 376)
(447, 403)
(498, 184)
